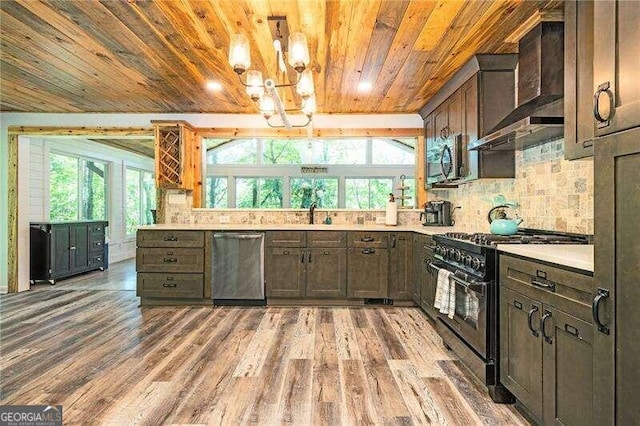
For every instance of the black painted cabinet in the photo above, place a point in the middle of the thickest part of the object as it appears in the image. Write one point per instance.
(62, 249)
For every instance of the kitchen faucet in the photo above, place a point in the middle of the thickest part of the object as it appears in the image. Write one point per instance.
(312, 208)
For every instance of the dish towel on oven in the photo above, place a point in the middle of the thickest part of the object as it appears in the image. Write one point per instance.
(445, 300)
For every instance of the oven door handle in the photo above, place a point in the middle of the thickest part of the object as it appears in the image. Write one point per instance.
(476, 287)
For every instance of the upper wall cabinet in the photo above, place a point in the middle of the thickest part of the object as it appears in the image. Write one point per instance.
(469, 105)
(178, 158)
(616, 65)
(579, 126)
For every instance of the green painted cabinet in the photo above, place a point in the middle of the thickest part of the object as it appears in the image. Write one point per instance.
(62, 249)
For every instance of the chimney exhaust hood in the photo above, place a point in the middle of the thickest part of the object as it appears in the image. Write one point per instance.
(539, 116)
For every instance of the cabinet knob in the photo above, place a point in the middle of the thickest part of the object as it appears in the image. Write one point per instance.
(72, 248)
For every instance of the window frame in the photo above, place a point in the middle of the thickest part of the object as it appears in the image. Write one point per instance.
(108, 166)
(367, 170)
(141, 171)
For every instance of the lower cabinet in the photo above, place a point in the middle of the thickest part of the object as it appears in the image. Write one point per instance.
(299, 272)
(367, 265)
(418, 268)
(367, 273)
(285, 272)
(63, 249)
(326, 273)
(546, 353)
(400, 266)
(172, 265)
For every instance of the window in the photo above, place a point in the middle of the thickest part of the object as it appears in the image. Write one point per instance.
(305, 191)
(140, 198)
(216, 196)
(368, 193)
(294, 173)
(259, 193)
(78, 188)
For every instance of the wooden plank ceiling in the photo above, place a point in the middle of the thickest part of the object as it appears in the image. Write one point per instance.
(155, 56)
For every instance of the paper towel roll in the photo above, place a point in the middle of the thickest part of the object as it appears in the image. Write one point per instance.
(391, 216)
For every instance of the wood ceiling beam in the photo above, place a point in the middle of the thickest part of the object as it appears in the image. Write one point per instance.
(93, 132)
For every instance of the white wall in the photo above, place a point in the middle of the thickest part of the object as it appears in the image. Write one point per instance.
(120, 247)
(252, 121)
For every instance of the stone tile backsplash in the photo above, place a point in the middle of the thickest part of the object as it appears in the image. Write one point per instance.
(182, 213)
(552, 193)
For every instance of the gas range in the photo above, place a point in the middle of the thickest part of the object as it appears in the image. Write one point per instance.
(471, 261)
(474, 253)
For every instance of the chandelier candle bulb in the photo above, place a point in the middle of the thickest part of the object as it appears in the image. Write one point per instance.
(255, 88)
(309, 105)
(305, 84)
(267, 106)
(298, 51)
(239, 55)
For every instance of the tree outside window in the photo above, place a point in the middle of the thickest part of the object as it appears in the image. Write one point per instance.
(77, 188)
(140, 198)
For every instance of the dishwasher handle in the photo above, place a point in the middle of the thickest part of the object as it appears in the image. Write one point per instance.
(236, 236)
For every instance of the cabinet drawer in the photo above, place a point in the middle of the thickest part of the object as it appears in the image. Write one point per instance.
(170, 239)
(170, 285)
(286, 239)
(521, 274)
(96, 244)
(326, 239)
(367, 239)
(97, 229)
(169, 260)
(96, 260)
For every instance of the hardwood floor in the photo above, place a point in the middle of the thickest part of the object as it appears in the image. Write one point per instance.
(108, 361)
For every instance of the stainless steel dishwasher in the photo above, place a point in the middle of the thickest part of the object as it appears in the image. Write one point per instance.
(238, 269)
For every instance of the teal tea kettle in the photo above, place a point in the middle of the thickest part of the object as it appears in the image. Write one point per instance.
(501, 224)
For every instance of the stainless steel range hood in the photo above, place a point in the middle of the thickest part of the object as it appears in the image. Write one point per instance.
(540, 116)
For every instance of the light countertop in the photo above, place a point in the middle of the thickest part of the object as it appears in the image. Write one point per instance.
(427, 230)
(574, 256)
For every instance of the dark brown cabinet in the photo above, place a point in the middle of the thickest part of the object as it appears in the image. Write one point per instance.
(470, 105)
(429, 278)
(521, 349)
(400, 266)
(285, 272)
(547, 355)
(63, 249)
(617, 262)
(313, 265)
(418, 268)
(616, 87)
(579, 126)
(172, 265)
(367, 265)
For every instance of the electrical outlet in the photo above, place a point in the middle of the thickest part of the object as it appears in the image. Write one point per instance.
(225, 219)
(380, 220)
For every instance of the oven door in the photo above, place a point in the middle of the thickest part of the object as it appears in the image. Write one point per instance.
(470, 318)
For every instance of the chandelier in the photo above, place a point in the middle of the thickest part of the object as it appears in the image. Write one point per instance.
(265, 92)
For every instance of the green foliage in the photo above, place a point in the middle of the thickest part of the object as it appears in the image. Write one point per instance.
(216, 196)
(368, 193)
(77, 188)
(259, 193)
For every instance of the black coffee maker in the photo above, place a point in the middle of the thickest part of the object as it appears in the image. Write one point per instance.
(436, 213)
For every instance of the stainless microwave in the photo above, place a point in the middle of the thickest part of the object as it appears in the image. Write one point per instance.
(445, 160)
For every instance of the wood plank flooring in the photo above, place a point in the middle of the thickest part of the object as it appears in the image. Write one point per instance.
(106, 360)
